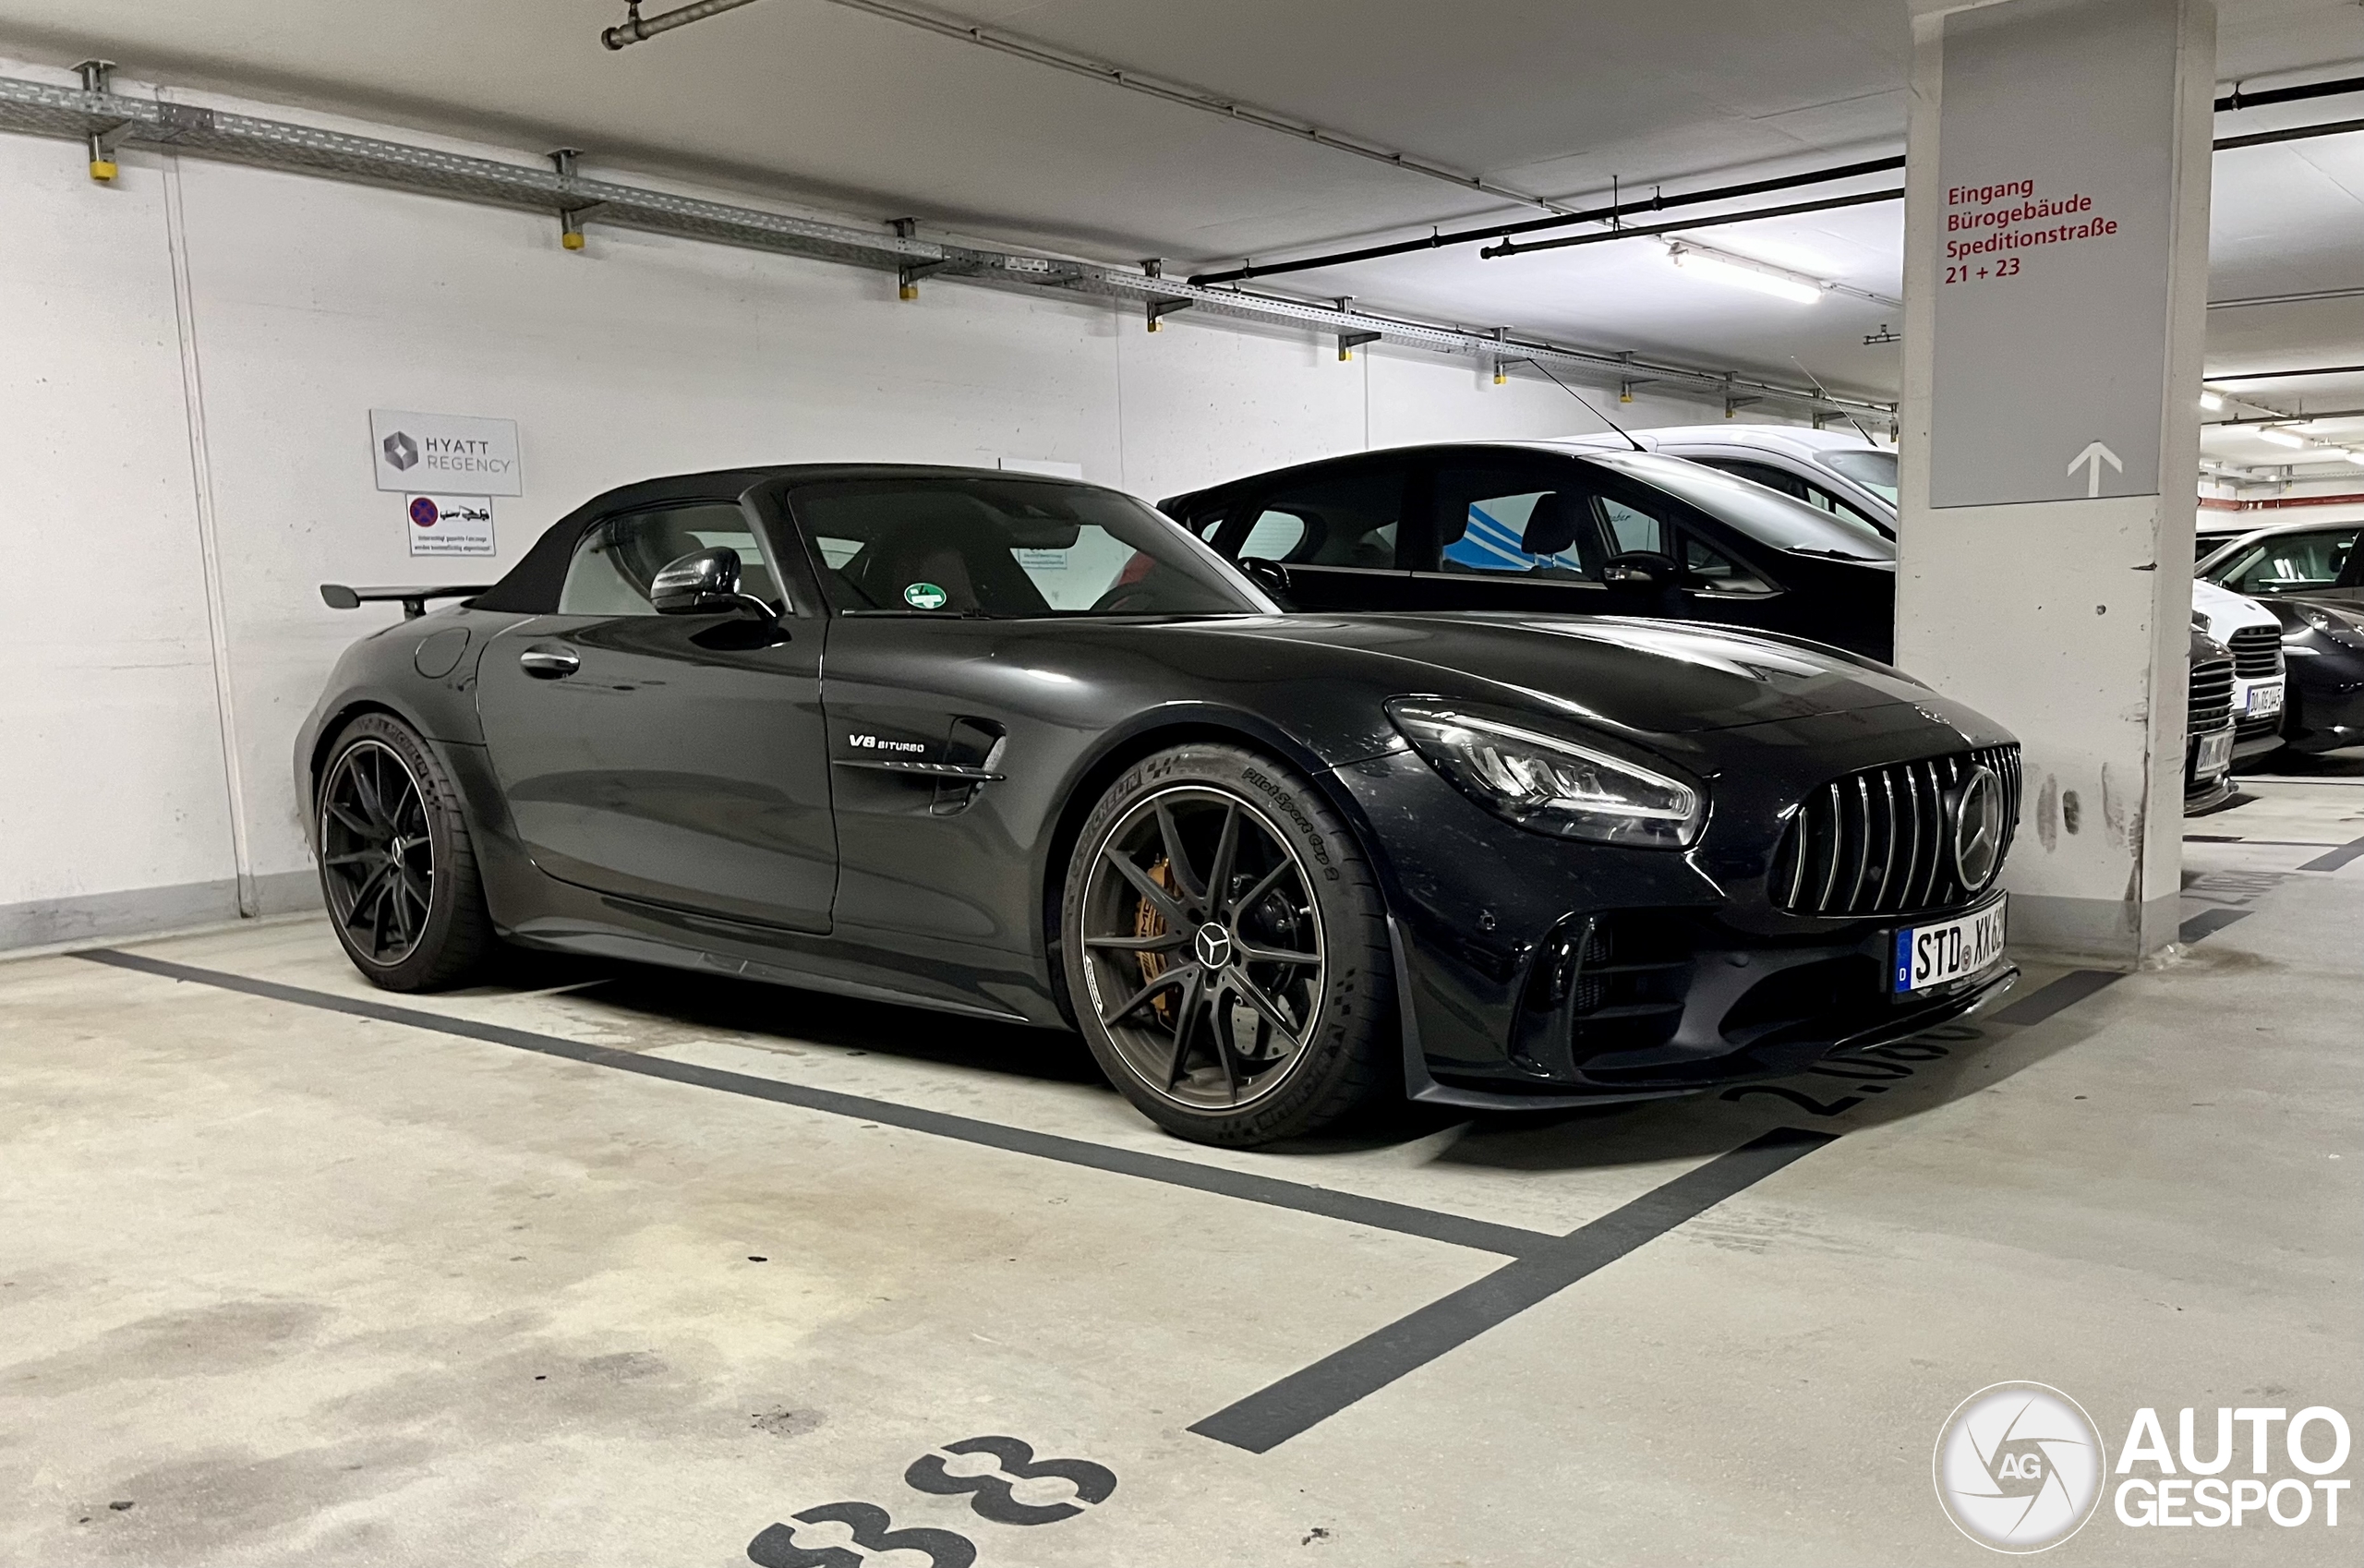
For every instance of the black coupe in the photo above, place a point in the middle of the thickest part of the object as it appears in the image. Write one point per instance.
(1023, 748)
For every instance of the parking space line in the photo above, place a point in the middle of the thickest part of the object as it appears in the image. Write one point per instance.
(1543, 1264)
(2207, 923)
(1303, 1399)
(2350, 851)
(2054, 996)
(1482, 1235)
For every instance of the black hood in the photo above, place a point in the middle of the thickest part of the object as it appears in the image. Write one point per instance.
(1642, 676)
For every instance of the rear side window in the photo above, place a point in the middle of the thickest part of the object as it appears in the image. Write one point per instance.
(1547, 523)
(1523, 520)
(616, 558)
(1346, 519)
(1275, 536)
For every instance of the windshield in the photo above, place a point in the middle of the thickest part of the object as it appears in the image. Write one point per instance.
(2295, 562)
(1765, 515)
(1868, 466)
(1010, 547)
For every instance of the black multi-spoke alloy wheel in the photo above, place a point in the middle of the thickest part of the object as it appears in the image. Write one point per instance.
(1227, 950)
(397, 866)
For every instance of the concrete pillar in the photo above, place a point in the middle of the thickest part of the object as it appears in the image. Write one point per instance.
(2056, 294)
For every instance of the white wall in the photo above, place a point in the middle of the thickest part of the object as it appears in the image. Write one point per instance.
(129, 427)
(110, 756)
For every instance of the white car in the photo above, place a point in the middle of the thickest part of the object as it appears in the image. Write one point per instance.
(1842, 473)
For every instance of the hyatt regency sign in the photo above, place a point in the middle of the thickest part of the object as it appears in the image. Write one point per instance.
(417, 453)
(2056, 149)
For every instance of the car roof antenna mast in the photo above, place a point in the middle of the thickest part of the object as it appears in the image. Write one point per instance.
(1825, 393)
(1588, 407)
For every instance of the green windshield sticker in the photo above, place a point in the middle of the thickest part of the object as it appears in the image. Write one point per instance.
(925, 596)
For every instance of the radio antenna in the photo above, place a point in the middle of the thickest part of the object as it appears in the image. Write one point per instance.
(1825, 393)
(1588, 407)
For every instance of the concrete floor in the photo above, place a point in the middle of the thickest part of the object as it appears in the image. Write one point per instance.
(283, 1283)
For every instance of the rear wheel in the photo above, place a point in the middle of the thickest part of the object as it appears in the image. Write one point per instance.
(397, 869)
(1227, 950)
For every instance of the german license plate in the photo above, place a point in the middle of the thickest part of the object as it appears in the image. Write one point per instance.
(2265, 699)
(1929, 956)
(2216, 755)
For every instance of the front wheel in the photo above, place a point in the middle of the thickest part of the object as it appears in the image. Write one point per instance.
(397, 869)
(1227, 950)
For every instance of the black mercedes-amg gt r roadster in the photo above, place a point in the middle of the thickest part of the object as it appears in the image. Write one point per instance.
(1024, 749)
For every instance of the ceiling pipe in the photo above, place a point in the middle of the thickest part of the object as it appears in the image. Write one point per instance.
(636, 31)
(2285, 418)
(1720, 220)
(1615, 214)
(1650, 231)
(2231, 376)
(2236, 99)
(2277, 504)
(2289, 133)
(2304, 297)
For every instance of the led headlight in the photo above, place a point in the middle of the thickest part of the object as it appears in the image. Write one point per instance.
(2335, 623)
(1551, 784)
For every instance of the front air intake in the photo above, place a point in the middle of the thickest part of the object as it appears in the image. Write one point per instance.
(1880, 842)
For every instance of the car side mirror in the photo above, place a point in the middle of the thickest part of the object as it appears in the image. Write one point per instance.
(1641, 569)
(1269, 575)
(704, 583)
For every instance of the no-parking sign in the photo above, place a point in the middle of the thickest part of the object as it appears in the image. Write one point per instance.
(449, 525)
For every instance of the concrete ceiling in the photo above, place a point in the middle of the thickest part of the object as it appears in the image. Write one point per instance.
(808, 101)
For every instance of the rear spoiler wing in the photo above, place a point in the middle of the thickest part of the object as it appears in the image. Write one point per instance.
(336, 596)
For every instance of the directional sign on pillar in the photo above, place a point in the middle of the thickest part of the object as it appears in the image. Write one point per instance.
(2056, 151)
(2091, 460)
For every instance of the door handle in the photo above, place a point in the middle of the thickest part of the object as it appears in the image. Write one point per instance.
(548, 663)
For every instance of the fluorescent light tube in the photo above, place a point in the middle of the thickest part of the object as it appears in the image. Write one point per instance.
(1715, 269)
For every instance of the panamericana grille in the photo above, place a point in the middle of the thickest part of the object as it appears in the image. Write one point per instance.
(2257, 652)
(2211, 694)
(1880, 841)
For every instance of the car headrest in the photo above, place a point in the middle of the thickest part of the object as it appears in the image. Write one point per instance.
(1552, 526)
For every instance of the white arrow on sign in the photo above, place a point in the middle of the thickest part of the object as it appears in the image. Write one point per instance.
(2092, 459)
